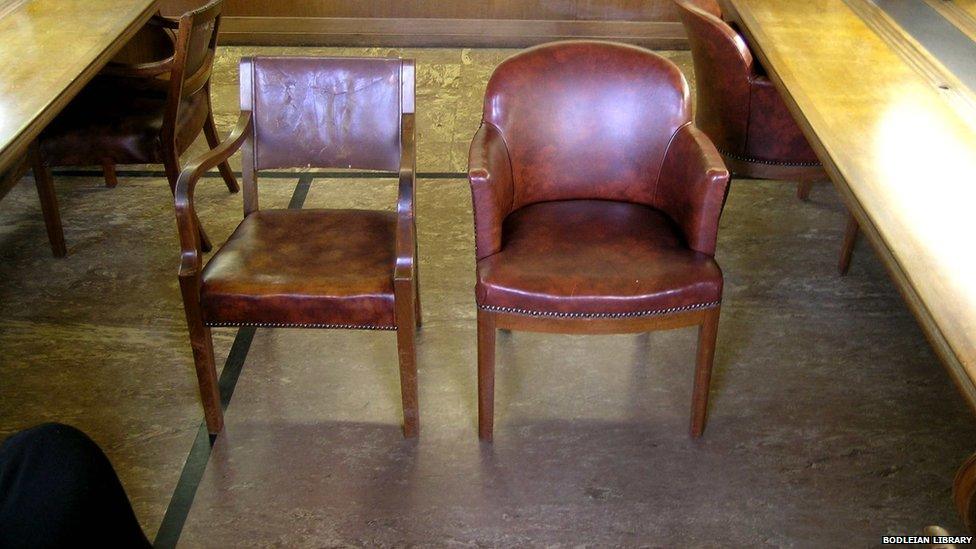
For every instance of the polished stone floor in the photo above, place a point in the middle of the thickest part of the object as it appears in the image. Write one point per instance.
(832, 422)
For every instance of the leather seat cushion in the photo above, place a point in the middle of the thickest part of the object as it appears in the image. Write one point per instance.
(595, 258)
(315, 268)
(120, 124)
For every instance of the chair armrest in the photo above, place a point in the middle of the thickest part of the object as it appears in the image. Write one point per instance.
(693, 186)
(140, 70)
(186, 218)
(406, 230)
(492, 188)
(160, 20)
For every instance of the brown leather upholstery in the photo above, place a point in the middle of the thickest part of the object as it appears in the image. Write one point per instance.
(737, 107)
(596, 204)
(310, 268)
(124, 121)
(307, 113)
(593, 193)
(147, 110)
(121, 124)
(742, 112)
(574, 115)
(322, 268)
(595, 257)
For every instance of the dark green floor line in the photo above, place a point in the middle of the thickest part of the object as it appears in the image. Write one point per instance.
(196, 462)
(269, 174)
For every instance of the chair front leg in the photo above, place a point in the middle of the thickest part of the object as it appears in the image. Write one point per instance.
(49, 202)
(707, 335)
(201, 341)
(803, 189)
(108, 169)
(486, 375)
(406, 326)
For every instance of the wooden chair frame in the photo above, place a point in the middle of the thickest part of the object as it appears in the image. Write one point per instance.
(491, 321)
(175, 86)
(405, 276)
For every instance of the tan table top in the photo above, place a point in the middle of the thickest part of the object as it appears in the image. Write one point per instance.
(900, 149)
(49, 49)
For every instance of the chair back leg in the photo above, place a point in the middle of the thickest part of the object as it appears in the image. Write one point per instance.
(486, 375)
(707, 335)
(847, 249)
(213, 139)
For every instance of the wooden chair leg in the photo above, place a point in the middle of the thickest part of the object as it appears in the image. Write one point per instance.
(847, 249)
(803, 190)
(171, 164)
(111, 178)
(707, 335)
(407, 351)
(213, 139)
(486, 375)
(416, 294)
(201, 341)
(49, 203)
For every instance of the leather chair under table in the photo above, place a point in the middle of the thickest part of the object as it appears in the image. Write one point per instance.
(138, 114)
(596, 204)
(310, 268)
(742, 112)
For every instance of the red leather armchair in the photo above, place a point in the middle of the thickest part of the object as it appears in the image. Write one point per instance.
(596, 204)
(138, 113)
(310, 268)
(742, 112)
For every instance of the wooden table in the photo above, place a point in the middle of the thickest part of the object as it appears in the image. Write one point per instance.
(897, 134)
(49, 50)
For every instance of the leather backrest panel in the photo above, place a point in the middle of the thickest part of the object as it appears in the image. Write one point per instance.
(326, 112)
(586, 120)
(723, 67)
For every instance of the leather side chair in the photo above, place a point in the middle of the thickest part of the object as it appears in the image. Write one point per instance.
(596, 204)
(310, 268)
(148, 113)
(742, 112)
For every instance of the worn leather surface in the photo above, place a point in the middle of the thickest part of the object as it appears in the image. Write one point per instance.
(294, 267)
(123, 125)
(693, 187)
(595, 257)
(492, 189)
(593, 193)
(344, 113)
(736, 106)
(773, 132)
(586, 119)
(125, 120)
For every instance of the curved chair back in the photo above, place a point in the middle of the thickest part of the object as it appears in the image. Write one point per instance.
(195, 50)
(723, 69)
(586, 120)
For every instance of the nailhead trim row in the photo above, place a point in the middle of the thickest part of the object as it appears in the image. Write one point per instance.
(768, 162)
(286, 325)
(551, 314)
